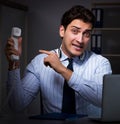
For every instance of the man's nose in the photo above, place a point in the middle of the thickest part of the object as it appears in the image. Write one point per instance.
(80, 38)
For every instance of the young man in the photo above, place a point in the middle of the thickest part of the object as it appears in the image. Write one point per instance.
(47, 71)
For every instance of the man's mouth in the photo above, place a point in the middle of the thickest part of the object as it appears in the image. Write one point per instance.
(78, 47)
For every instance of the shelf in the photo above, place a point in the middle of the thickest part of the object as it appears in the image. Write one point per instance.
(111, 55)
(106, 4)
(107, 29)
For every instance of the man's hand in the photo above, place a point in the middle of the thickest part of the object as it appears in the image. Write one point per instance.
(9, 50)
(53, 61)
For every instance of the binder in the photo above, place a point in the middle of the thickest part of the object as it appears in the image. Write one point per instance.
(98, 13)
(96, 43)
(93, 42)
(99, 43)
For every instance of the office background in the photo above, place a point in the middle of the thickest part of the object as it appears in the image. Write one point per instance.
(39, 20)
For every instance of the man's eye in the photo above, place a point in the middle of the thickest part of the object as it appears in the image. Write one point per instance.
(74, 31)
(87, 34)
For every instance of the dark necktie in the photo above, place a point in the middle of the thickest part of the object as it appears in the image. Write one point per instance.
(68, 104)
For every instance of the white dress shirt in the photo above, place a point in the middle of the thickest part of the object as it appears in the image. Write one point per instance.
(86, 80)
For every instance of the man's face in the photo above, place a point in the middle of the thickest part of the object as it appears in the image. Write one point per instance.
(75, 38)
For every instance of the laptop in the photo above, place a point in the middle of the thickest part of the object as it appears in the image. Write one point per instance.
(110, 111)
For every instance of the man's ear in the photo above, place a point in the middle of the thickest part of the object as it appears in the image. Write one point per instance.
(61, 31)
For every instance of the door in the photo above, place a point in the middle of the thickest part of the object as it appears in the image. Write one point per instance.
(10, 17)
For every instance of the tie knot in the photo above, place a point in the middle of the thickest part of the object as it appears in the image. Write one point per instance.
(70, 60)
(70, 65)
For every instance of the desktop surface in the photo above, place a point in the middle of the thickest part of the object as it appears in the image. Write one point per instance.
(25, 120)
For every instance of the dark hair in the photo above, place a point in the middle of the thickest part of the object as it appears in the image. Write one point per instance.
(77, 12)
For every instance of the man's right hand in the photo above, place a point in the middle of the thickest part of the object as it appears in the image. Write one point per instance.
(9, 50)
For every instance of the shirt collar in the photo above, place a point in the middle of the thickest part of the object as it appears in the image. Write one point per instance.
(63, 57)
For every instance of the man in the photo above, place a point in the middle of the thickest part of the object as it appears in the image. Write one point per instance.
(47, 71)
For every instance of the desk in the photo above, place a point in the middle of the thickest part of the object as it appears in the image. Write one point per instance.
(26, 120)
